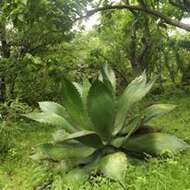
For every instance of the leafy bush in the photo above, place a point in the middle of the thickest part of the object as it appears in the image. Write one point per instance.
(10, 110)
(98, 127)
(13, 108)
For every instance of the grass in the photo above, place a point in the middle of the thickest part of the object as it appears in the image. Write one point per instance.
(19, 172)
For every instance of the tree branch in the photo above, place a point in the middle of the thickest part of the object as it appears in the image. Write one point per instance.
(184, 7)
(154, 13)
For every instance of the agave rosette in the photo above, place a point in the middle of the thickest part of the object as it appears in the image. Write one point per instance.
(95, 124)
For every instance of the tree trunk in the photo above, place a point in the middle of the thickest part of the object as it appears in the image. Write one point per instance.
(4, 53)
(2, 90)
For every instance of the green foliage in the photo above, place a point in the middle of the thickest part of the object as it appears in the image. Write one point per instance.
(51, 118)
(18, 171)
(73, 104)
(114, 166)
(106, 117)
(66, 151)
(12, 109)
(108, 77)
(135, 91)
(157, 110)
(37, 40)
(101, 110)
(7, 140)
(89, 138)
(155, 144)
(34, 48)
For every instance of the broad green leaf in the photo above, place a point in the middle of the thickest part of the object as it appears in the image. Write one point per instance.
(157, 110)
(155, 144)
(52, 119)
(52, 107)
(131, 126)
(101, 109)
(75, 178)
(65, 151)
(129, 129)
(85, 90)
(118, 141)
(135, 91)
(114, 166)
(88, 138)
(73, 104)
(107, 76)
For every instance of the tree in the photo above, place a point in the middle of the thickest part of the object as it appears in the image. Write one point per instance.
(153, 8)
(132, 41)
(32, 27)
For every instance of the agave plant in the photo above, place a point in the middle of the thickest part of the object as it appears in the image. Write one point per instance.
(97, 127)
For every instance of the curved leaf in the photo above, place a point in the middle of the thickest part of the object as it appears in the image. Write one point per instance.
(65, 151)
(52, 119)
(73, 104)
(108, 77)
(118, 141)
(155, 144)
(131, 126)
(101, 109)
(88, 138)
(129, 129)
(52, 107)
(135, 91)
(114, 166)
(157, 110)
(85, 90)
